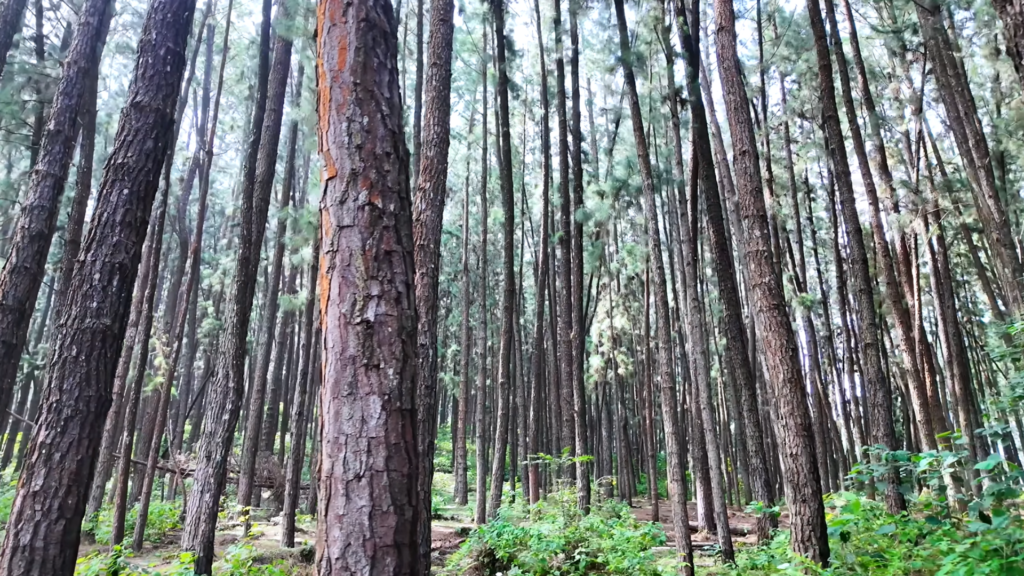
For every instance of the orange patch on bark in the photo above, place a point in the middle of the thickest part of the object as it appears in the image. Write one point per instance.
(325, 288)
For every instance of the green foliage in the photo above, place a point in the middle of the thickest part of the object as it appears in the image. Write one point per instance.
(865, 539)
(115, 563)
(163, 518)
(7, 491)
(443, 452)
(244, 560)
(553, 538)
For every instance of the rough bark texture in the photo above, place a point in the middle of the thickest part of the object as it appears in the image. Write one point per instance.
(674, 435)
(25, 267)
(736, 340)
(368, 460)
(809, 535)
(428, 213)
(46, 517)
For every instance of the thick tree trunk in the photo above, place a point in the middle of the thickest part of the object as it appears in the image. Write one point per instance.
(91, 328)
(809, 536)
(25, 267)
(368, 301)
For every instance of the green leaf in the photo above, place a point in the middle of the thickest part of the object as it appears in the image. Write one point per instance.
(886, 529)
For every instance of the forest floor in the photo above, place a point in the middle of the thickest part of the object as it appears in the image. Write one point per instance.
(449, 530)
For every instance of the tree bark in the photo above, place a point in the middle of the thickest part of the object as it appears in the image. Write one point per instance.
(367, 300)
(258, 398)
(674, 436)
(809, 536)
(877, 389)
(225, 398)
(536, 408)
(297, 451)
(91, 328)
(459, 451)
(480, 511)
(508, 298)
(578, 336)
(428, 214)
(25, 267)
(11, 15)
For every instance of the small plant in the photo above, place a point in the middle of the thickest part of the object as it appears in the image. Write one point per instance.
(243, 560)
(553, 537)
(111, 564)
(163, 518)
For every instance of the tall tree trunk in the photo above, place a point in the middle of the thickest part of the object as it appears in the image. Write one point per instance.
(876, 386)
(428, 213)
(537, 369)
(367, 308)
(459, 451)
(480, 511)
(297, 450)
(92, 326)
(674, 435)
(809, 536)
(579, 335)
(508, 298)
(25, 266)
(736, 341)
(564, 265)
(258, 397)
(223, 404)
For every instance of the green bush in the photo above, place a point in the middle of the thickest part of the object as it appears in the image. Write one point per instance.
(244, 560)
(163, 518)
(866, 540)
(552, 537)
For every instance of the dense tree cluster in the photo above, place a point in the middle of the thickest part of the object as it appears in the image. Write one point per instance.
(757, 263)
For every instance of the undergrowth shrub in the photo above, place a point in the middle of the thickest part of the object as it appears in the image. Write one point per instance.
(163, 518)
(553, 538)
